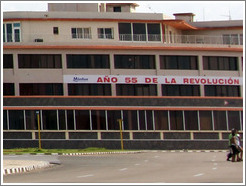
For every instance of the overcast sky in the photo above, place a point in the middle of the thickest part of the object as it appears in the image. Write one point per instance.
(204, 10)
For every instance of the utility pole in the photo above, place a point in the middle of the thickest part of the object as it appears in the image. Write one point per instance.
(121, 135)
(39, 133)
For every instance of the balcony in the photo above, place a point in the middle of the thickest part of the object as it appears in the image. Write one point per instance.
(125, 39)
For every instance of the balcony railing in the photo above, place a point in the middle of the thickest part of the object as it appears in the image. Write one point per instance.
(236, 39)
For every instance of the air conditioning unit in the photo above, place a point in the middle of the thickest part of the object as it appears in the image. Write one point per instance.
(38, 40)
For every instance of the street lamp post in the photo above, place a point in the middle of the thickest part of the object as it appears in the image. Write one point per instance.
(39, 134)
(121, 135)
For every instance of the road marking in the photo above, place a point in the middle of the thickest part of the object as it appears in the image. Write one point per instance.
(215, 164)
(84, 176)
(201, 174)
(157, 156)
(146, 160)
(137, 164)
(123, 169)
(214, 168)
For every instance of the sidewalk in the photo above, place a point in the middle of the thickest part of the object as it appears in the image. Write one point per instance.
(18, 166)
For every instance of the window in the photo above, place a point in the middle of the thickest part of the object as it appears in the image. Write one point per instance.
(220, 63)
(87, 61)
(134, 61)
(105, 33)
(176, 120)
(180, 90)
(41, 89)
(222, 90)
(139, 31)
(82, 119)
(8, 89)
(39, 61)
(31, 120)
(191, 120)
(136, 90)
(220, 120)
(179, 62)
(89, 89)
(130, 120)
(98, 119)
(154, 32)
(55, 30)
(205, 120)
(113, 116)
(233, 39)
(11, 32)
(16, 120)
(8, 61)
(49, 118)
(234, 120)
(161, 120)
(117, 9)
(81, 33)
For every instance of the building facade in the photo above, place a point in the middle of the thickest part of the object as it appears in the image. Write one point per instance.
(175, 83)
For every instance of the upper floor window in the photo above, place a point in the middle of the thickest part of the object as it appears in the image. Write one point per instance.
(233, 39)
(105, 33)
(82, 33)
(117, 9)
(178, 62)
(7, 60)
(139, 31)
(134, 61)
(87, 61)
(11, 32)
(39, 61)
(220, 63)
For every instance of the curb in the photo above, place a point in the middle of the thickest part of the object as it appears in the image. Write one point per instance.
(22, 169)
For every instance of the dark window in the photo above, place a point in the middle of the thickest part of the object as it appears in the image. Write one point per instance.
(139, 32)
(222, 90)
(39, 61)
(220, 120)
(180, 90)
(55, 30)
(16, 120)
(89, 89)
(8, 89)
(62, 120)
(31, 120)
(70, 119)
(125, 32)
(154, 33)
(82, 120)
(5, 120)
(220, 63)
(205, 120)
(161, 120)
(41, 89)
(105, 33)
(130, 120)
(117, 9)
(98, 119)
(234, 120)
(176, 120)
(8, 61)
(191, 120)
(178, 62)
(87, 61)
(136, 90)
(113, 116)
(49, 118)
(134, 61)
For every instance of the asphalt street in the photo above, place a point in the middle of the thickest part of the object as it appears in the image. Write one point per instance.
(147, 167)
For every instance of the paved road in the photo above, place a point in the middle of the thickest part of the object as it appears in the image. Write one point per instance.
(147, 167)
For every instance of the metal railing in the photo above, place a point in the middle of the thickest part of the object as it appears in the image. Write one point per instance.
(236, 39)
